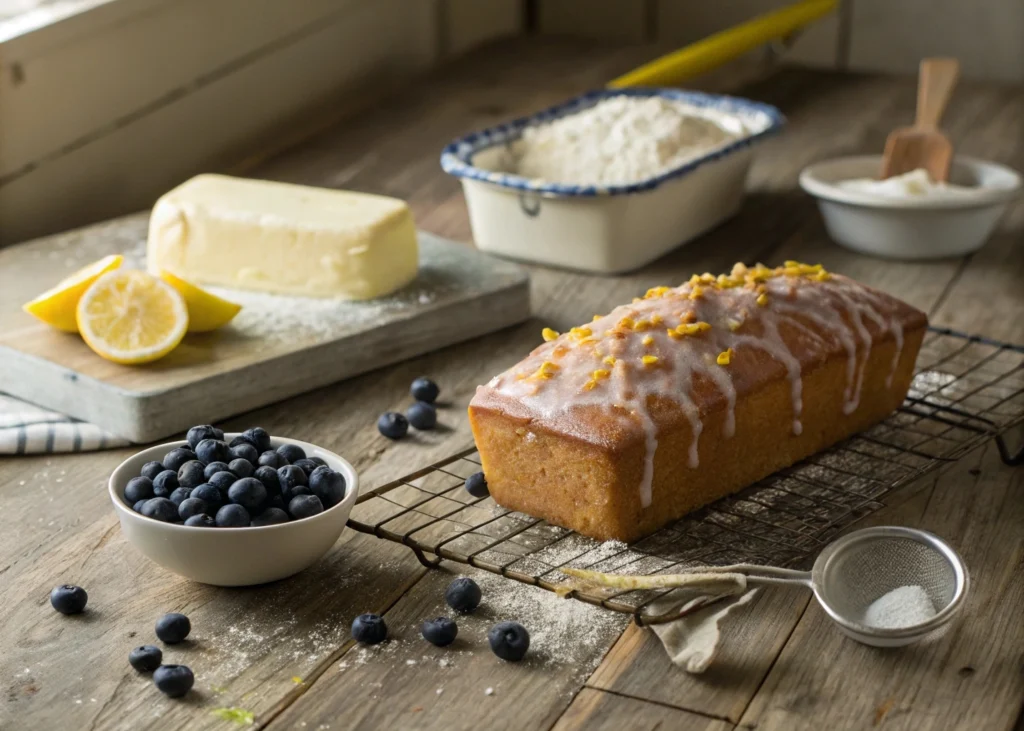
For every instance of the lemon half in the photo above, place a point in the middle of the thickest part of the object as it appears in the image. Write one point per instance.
(205, 311)
(132, 317)
(57, 306)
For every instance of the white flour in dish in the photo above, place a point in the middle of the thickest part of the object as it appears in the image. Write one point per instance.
(620, 140)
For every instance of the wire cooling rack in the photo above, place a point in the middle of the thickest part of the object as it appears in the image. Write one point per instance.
(967, 390)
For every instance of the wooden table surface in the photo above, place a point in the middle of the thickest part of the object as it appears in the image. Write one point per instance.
(283, 651)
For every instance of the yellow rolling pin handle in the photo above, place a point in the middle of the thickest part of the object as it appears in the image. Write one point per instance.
(717, 49)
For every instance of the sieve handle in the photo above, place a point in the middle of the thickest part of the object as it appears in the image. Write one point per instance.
(767, 575)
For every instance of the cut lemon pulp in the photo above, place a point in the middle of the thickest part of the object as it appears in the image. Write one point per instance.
(57, 306)
(205, 311)
(132, 317)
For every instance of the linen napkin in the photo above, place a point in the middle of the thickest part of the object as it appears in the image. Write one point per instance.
(28, 429)
(692, 641)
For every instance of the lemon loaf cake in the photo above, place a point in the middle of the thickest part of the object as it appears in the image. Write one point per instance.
(623, 425)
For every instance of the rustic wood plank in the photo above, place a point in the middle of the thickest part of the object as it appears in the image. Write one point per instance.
(597, 710)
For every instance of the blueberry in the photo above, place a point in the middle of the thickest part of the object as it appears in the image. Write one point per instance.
(271, 516)
(242, 439)
(258, 437)
(241, 467)
(173, 680)
(198, 433)
(165, 483)
(476, 485)
(209, 494)
(69, 599)
(192, 506)
(291, 452)
(179, 496)
(423, 389)
(463, 595)
(201, 521)
(392, 425)
(137, 506)
(440, 631)
(509, 640)
(138, 488)
(276, 502)
(174, 459)
(305, 506)
(268, 476)
(318, 461)
(246, 452)
(247, 492)
(145, 659)
(291, 477)
(191, 474)
(152, 469)
(422, 415)
(223, 480)
(306, 465)
(369, 629)
(213, 468)
(160, 508)
(232, 516)
(327, 485)
(272, 459)
(173, 628)
(213, 450)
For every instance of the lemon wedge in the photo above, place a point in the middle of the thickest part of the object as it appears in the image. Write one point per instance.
(205, 311)
(132, 317)
(56, 306)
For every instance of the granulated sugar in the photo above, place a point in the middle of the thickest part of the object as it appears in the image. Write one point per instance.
(904, 606)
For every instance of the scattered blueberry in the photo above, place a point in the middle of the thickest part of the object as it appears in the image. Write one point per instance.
(209, 494)
(174, 459)
(222, 481)
(306, 465)
(271, 458)
(232, 516)
(173, 628)
(241, 467)
(291, 452)
(441, 631)
(213, 468)
(327, 485)
(242, 439)
(213, 450)
(422, 415)
(463, 595)
(247, 492)
(191, 474)
(201, 521)
(423, 389)
(191, 507)
(476, 485)
(152, 469)
(318, 461)
(509, 640)
(392, 425)
(173, 680)
(268, 476)
(137, 506)
(305, 506)
(180, 495)
(160, 508)
(145, 659)
(247, 452)
(165, 483)
(259, 438)
(69, 599)
(198, 433)
(270, 516)
(138, 488)
(291, 477)
(369, 629)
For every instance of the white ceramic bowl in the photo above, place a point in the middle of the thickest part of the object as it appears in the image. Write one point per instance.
(233, 556)
(913, 227)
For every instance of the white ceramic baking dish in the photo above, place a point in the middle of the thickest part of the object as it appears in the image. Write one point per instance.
(605, 229)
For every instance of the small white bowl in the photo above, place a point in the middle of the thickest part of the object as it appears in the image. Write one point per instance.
(918, 227)
(233, 556)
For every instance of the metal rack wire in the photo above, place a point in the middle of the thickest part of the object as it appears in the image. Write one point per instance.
(967, 390)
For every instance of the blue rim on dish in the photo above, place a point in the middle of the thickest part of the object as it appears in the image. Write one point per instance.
(457, 157)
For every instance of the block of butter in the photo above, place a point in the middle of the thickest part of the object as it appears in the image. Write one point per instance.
(283, 238)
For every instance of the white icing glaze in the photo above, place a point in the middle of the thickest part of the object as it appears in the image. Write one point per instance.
(601, 365)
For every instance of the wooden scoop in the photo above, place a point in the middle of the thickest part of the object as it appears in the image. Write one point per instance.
(923, 145)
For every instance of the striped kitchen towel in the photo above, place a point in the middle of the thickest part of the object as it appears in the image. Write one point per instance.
(28, 429)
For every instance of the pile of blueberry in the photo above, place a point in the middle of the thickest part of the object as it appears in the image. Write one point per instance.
(421, 415)
(508, 640)
(244, 482)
